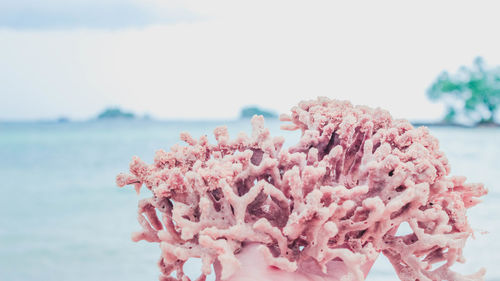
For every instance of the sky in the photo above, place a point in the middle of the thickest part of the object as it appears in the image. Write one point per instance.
(207, 59)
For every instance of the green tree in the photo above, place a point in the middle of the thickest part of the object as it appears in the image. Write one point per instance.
(473, 92)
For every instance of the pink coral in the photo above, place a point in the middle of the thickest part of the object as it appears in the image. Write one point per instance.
(339, 194)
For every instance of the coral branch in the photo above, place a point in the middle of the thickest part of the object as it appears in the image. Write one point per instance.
(340, 193)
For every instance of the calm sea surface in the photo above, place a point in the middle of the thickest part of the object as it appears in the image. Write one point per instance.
(63, 218)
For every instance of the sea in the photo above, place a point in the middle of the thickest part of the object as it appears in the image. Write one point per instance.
(63, 218)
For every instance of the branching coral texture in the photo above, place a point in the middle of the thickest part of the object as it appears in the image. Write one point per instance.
(340, 193)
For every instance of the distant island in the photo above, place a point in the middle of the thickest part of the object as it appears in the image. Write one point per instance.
(115, 113)
(250, 111)
(63, 119)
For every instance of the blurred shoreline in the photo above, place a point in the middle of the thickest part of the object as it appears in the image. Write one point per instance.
(116, 114)
(437, 124)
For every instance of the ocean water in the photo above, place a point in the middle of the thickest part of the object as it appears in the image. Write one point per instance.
(63, 218)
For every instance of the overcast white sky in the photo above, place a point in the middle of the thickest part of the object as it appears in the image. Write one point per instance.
(207, 59)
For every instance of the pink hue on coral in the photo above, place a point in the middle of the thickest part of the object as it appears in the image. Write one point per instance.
(339, 194)
(254, 266)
